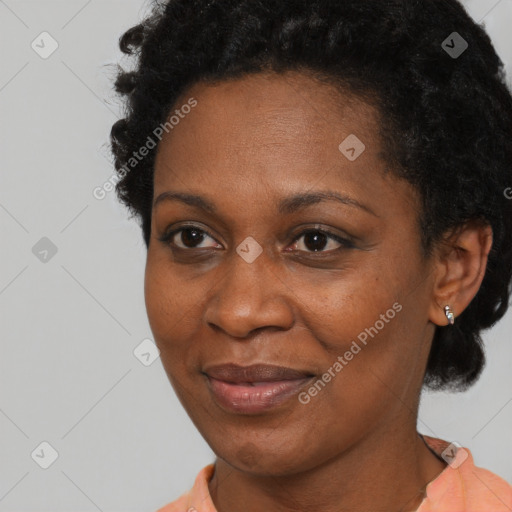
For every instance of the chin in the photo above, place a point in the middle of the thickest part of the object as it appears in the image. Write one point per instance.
(262, 458)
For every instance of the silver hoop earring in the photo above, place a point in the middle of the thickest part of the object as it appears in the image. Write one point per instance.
(448, 311)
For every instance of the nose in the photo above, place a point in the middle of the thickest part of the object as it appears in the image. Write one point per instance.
(248, 297)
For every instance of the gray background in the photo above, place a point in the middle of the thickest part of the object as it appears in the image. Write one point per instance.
(70, 324)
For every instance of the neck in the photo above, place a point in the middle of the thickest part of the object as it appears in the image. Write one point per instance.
(380, 473)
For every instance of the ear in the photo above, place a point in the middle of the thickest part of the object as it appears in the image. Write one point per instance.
(460, 263)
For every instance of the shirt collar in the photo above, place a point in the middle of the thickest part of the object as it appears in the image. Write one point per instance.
(449, 480)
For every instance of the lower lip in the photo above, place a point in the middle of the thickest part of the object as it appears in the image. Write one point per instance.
(247, 399)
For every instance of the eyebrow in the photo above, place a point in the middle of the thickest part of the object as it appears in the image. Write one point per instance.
(288, 205)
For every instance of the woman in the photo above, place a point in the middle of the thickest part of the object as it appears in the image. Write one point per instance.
(322, 190)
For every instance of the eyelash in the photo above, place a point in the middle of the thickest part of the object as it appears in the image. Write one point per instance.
(344, 242)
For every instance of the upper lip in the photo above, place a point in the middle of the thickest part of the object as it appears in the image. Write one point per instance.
(255, 373)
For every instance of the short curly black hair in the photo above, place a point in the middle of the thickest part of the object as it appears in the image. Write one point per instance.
(446, 119)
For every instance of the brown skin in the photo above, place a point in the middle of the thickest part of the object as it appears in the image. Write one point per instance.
(246, 145)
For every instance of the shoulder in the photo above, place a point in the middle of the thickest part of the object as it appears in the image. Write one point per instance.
(198, 498)
(178, 505)
(486, 490)
(463, 486)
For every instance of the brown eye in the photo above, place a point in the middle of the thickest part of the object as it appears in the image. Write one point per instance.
(316, 240)
(190, 237)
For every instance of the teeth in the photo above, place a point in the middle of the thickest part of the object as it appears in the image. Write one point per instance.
(252, 384)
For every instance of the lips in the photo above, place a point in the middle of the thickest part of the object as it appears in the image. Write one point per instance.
(253, 389)
(256, 373)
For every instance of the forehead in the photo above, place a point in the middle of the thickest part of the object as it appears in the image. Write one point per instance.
(249, 144)
(266, 118)
(301, 91)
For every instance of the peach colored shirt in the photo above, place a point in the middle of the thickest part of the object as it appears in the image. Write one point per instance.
(461, 487)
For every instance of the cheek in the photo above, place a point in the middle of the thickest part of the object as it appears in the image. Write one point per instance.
(367, 342)
(168, 309)
(341, 308)
(159, 306)
(168, 304)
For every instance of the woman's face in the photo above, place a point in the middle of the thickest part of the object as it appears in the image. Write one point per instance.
(336, 289)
